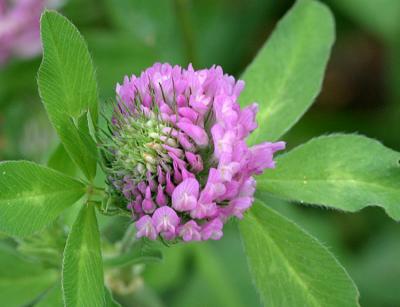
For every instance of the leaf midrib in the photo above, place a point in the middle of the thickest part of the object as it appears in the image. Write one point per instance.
(81, 267)
(42, 195)
(358, 182)
(279, 93)
(77, 252)
(59, 62)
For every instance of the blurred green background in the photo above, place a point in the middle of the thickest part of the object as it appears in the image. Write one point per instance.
(361, 94)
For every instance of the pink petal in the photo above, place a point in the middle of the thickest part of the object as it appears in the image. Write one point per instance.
(196, 133)
(145, 228)
(212, 230)
(165, 219)
(184, 197)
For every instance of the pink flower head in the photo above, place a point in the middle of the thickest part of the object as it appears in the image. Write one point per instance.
(179, 151)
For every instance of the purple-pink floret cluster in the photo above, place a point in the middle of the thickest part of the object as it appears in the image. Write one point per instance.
(19, 28)
(207, 174)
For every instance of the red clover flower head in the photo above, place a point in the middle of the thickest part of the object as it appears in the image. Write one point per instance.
(179, 156)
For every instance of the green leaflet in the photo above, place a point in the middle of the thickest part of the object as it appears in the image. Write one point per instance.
(82, 273)
(291, 268)
(32, 196)
(60, 161)
(347, 172)
(68, 88)
(287, 73)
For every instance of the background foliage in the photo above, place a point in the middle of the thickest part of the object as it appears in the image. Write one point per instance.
(360, 94)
